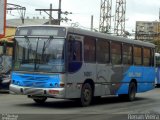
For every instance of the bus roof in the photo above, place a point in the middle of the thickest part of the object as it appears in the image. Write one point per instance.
(101, 35)
(110, 37)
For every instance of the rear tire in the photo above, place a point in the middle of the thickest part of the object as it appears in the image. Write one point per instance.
(131, 92)
(86, 95)
(40, 100)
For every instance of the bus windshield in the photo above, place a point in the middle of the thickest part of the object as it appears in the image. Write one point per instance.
(39, 54)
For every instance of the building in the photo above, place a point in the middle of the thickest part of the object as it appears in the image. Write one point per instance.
(12, 24)
(147, 31)
(9, 34)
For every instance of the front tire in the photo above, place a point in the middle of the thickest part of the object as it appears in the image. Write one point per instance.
(86, 95)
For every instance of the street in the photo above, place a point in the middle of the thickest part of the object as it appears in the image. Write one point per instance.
(23, 108)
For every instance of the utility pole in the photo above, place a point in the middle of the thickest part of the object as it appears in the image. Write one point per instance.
(91, 22)
(56, 21)
(159, 14)
(59, 12)
(159, 26)
(50, 13)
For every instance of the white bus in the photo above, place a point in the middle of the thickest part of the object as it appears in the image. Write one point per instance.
(69, 63)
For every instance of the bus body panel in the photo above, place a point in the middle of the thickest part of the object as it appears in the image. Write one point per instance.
(104, 77)
(38, 84)
(107, 81)
(157, 78)
(144, 76)
(36, 80)
(157, 61)
(48, 92)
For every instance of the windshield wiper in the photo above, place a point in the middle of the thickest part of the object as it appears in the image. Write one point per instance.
(28, 42)
(35, 60)
(45, 45)
(28, 46)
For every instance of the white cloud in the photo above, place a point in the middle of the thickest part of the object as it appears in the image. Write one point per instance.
(136, 10)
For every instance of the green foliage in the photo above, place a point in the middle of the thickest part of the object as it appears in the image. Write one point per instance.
(157, 43)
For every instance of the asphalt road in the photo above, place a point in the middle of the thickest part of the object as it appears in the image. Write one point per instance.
(19, 107)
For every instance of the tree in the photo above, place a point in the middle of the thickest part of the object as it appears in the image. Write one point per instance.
(157, 43)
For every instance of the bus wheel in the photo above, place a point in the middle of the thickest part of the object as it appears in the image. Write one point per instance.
(132, 91)
(86, 95)
(40, 100)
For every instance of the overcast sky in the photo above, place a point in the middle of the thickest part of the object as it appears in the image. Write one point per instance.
(136, 10)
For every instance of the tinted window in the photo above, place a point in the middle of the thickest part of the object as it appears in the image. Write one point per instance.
(137, 55)
(146, 56)
(116, 53)
(89, 49)
(102, 51)
(127, 54)
(152, 57)
(74, 55)
(75, 50)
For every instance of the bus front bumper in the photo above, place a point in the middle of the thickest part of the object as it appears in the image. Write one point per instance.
(48, 92)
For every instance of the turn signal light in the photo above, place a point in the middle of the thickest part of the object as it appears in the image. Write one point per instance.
(62, 85)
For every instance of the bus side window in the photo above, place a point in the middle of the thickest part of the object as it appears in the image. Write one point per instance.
(127, 54)
(102, 51)
(146, 57)
(74, 55)
(137, 53)
(75, 50)
(116, 53)
(89, 49)
(152, 59)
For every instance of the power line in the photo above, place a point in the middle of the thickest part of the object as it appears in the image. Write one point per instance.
(49, 13)
(21, 10)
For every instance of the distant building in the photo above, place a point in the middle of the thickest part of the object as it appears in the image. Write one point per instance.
(147, 31)
(12, 24)
(27, 21)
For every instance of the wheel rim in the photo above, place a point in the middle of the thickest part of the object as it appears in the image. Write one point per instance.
(86, 95)
(132, 92)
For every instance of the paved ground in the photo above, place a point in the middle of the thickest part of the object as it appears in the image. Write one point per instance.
(146, 105)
